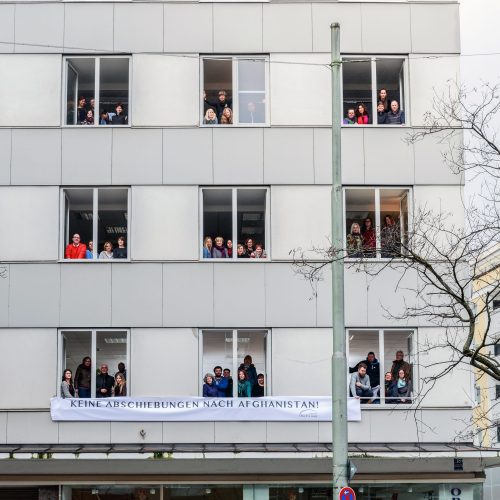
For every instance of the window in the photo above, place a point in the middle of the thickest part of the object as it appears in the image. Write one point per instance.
(104, 240)
(497, 391)
(235, 223)
(393, 350)
(228, 349)
(96, 89)
(376, 221)
(498, 433)
(363, 79)
(238, 83)
(103, 347)
(496, 304)
(497, 349)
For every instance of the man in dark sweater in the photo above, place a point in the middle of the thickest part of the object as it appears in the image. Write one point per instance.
(395, 116)
(372, 368)
(104, 383)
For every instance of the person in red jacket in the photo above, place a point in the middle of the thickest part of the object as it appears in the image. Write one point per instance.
(75, 250)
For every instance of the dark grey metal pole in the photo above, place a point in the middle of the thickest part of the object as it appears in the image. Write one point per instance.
(339, 362)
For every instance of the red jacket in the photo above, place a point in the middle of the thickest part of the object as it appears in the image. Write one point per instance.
(73, 252)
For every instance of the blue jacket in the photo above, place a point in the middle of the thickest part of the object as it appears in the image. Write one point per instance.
(221, 386)
(206, 253)
(210, 391)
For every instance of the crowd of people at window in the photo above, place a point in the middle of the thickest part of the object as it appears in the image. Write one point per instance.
(220, 112)
(388, 112)
(106, 386)
(218, 249)
(85, 114)
(362, 240)
(365, 383)
(78, 250)
(219, 384)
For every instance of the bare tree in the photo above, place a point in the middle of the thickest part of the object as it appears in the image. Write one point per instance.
(446, 257)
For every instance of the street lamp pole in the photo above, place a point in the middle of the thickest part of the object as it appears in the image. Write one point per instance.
(339, 362)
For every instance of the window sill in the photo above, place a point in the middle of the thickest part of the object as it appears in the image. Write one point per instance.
(93, 261)
(235, 260)
(90, 127)
(371, 125)
(234, 125)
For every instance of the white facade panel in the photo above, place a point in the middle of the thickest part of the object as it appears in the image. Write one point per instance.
(29, 218)
(300, 218)
(31, 86)
(77, 35)
(138, 27)
(5, 155)
(450, 390)
(31, 427)
(165, 223)
(302, 361)
(294, 35)
(435, 28)
(32, 35)
(36, 156)
(237, 27)
(4, 294)
(158, 368)
(188, 27)
(158, 81)
(301, 90)
(427, 78)
(28, 382)
(381, 35)
(7, 27)
(323, 14)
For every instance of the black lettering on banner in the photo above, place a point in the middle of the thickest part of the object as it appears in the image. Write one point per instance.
(73, 403)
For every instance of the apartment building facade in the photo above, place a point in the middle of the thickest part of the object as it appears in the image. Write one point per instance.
(160, 173)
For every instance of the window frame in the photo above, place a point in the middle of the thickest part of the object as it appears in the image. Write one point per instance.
(234, 209)
(64, 229)
(97, 74)
(373, 60)
(92, 355)
(236, 363)
(377, 221)
(380, 355)
(235, 89)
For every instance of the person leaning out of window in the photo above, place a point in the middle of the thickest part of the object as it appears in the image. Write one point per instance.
(120, 387)
(395, 116)
(244, 385)
(83, 378)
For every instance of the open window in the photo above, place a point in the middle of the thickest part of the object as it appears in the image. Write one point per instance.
(376, 221)
(392, 349)
(108, 348)
(97, 90)
(95, 223)
(364, 80)
(228, 349)
(235, 223)
(234, 90)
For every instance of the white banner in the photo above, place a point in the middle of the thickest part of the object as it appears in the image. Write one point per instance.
(190, 409)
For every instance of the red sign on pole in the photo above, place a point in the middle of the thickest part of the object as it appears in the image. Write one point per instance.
(347, 494)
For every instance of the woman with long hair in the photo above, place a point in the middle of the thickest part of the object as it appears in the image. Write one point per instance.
(83, 378)
(227, 117)
(120, 389)
(244, 385)
(355, 241)
(362, 117)
(207, 247)
(67, 388)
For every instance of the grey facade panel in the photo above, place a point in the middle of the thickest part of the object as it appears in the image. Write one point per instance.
(136, 295)
(289, 298)
(238, 156)
(85, 432)
(379, 36)
(237, 27)
(137, 156)
(188, 27)
(187, 156)
(86, 296)
(77, 35)
(388, 163)
(33, 35)
(36, 156)
(322, 155)
(294, 35)
(188, 294)
(233, 306)
(201, 432)
(34, 295)
(131, 432)
(353, 156)
(138, 27)
(280, 432)
(5, 155)
(435, 28)
(82, 165)
(7, 27)
(288, 156)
